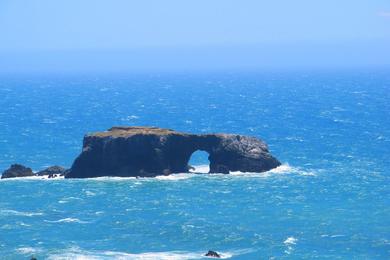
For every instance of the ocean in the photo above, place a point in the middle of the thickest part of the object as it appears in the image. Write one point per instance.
(330, 199)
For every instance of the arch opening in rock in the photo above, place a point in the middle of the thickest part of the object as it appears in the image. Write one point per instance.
(199, 162)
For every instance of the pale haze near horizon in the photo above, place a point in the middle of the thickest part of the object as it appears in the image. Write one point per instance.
(125, 36)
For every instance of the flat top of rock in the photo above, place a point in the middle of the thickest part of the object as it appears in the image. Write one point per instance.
(125, 131)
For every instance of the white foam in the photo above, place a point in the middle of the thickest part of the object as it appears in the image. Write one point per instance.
(28, 250)
(10, 212)
(333, 236)
(111, 178)
(204, 168)
(68, 220)
(68, 199)
(287, 169)
(290, 241)
(78, 254)
(34, 178)
(176, 177)
(284, 168)
(90, 193)
(199, 170)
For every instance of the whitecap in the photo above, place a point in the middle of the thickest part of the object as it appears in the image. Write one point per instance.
(10, 212)
(67, 220)
(90, 193)
(24, 224)
(333, 236)
(290, 241)
(67, 199)
(28, 250)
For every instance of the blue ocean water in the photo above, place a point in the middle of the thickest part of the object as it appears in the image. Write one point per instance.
(329, 200)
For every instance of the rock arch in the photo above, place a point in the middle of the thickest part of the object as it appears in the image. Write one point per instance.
(198, 158)
(150, 151)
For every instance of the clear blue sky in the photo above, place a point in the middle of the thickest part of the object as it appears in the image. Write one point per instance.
(125, 35)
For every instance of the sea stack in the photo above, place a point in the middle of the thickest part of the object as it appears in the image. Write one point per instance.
(151, 151)
(17, 170)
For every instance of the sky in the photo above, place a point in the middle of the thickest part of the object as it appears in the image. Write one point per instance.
(154, 35)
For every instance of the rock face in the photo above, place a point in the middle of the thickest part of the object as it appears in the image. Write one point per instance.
(150, 151)
(17, 170)
(52, 171)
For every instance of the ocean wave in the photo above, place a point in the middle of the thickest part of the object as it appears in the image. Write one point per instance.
(290, 241)
(78, 254)
(28, 250)
(90, 193)
(286, 168)
(280, 170)
(202, 170)
(333, 236)
(176, 177)
(10, 212)
(67, 220)
(68, 199)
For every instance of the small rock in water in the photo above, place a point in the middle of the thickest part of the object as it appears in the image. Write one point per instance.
(211, 253)
(17, 170)
(52, 171)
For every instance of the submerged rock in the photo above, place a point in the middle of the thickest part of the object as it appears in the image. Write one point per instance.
(52, 171)
(17, 170)
(151, 151)
(211, 253)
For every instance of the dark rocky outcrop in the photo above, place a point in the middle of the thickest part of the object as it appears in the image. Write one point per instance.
(150, 151)
(52, 171)
(17, 170)
(211, 253)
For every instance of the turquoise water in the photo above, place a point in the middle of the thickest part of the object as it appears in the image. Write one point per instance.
(329, 199)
